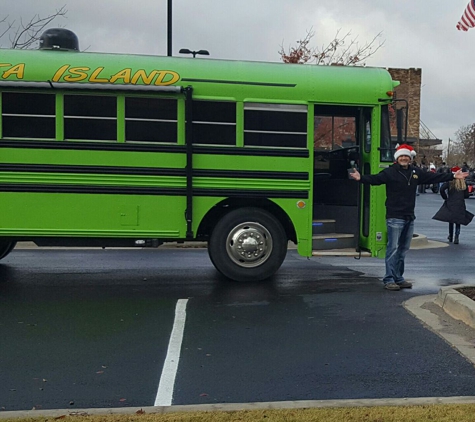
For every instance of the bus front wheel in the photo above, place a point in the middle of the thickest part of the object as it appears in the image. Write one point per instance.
(248, 244)
(5, 248)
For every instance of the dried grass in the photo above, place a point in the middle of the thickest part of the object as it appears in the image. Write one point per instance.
(429, 413)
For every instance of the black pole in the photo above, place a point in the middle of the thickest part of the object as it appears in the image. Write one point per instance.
(189, 160)
(169, 28)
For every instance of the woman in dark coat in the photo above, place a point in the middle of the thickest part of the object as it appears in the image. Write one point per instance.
(453, 211)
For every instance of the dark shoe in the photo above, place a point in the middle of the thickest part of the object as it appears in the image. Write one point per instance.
(405, 285)
(456, 240)
(392, 286)
(450, 238)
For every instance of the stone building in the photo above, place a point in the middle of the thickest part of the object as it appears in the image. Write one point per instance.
(410, 90)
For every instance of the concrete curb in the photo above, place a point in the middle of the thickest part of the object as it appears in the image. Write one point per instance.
(456, 304)
(420, 241)
(441, 323)
(228, 407)
(168, 245)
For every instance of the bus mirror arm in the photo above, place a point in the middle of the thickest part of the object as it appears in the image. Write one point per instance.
(401, 120)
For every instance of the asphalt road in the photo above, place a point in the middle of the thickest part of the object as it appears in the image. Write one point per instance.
(91, 328)
(431, 269)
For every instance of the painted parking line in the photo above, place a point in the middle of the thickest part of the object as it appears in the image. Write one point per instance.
(167, 379)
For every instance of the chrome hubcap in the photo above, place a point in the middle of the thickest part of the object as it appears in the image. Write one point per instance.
(249, 244)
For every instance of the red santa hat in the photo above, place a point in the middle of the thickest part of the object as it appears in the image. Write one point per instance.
(455, 169)
(404, 149)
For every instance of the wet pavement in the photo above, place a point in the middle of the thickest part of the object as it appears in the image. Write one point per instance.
(91, 328)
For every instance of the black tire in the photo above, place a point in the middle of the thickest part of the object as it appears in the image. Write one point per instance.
(248, 244)
(5, 248)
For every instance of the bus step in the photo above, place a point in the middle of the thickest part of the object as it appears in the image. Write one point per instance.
(323, 226)
(333, 241)
(347, 252)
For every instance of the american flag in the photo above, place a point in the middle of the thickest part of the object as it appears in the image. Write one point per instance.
(467, 20)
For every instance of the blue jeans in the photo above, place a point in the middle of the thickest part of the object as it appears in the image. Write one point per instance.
(399, 241)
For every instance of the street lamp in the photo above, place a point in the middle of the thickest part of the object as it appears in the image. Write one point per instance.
(169, 28)
(186, 51)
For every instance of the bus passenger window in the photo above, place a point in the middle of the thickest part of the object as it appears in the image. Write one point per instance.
(367, 134)
(275, 125)
(27, 115)
(90, 117)
(214, 122)
(150, 119)
(386, 150)
(334, 132)
(323, 133)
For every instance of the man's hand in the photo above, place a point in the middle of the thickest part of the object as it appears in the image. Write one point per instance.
(355, 174)
(461, 175)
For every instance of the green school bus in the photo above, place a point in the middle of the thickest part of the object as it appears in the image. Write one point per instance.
(132, 150)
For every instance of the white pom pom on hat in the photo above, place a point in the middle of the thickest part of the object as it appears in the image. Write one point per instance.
(404, 149)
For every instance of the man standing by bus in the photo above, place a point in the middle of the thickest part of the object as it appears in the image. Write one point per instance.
(401, 180)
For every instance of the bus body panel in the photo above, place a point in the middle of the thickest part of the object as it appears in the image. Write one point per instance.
(58, 184)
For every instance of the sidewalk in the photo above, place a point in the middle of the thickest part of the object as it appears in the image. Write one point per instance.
(451, 315)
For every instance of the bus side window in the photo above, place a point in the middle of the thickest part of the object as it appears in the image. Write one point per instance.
(150, 119)
(90, 117)
(386, 151)
(214, 122)
(26, 115)
(367, 133)
(275, 125)
(334, 132)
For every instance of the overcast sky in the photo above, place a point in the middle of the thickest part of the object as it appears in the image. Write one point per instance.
(417, 33)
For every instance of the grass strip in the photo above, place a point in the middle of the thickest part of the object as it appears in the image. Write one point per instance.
(423, 413)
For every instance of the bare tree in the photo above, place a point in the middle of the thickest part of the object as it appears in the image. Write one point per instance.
(342, 51)
(455, 154)
(24, 34)
(465, 144)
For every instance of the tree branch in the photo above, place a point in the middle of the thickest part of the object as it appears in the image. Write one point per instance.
(337, 52)
(24, 35)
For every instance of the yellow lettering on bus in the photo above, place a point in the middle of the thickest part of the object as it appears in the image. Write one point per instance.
(147, 79)
(123, 74)
(80, 73)
(95, 74)
(5, 65)
(76, 74)
(163, 74)
(59, 73)
(18, 70)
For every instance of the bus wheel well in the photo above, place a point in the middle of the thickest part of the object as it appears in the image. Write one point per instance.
(219, 210)
(6, 247)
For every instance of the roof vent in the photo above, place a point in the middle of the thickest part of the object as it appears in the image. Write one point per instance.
(59, 39)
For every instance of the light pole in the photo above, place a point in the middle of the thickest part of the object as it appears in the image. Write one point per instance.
(169, 28)
(186, 51)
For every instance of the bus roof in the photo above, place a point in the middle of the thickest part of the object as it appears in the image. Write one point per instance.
(210, 78)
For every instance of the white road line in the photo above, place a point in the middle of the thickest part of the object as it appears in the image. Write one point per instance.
(167, 379)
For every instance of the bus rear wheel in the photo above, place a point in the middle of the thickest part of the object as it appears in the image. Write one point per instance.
(248, 244)
(5, 248)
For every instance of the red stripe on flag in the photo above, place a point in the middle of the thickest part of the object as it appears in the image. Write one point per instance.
(470, 12)
(467, 20)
